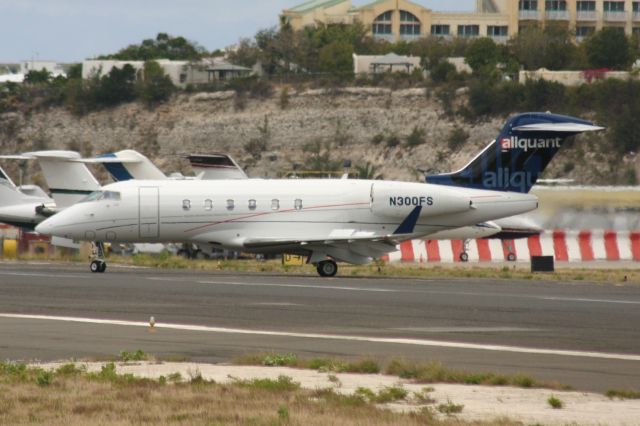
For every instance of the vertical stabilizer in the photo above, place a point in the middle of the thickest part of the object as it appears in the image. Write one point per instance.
(517, 157)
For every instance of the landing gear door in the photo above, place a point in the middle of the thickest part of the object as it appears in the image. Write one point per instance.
(149, 212)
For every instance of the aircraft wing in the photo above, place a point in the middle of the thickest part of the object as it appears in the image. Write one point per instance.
(354, 249)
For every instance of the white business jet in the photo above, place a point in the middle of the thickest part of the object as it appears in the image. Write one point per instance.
(345, 220)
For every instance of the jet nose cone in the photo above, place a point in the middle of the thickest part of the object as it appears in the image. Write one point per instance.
(44, 228)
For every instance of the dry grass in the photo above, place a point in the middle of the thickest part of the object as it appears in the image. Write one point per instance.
(74, 397)
(378, 269)
(420, 372)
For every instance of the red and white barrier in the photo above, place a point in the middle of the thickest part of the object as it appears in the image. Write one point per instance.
(565, 246)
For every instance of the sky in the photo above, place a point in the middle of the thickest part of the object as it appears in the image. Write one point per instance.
(73, 30)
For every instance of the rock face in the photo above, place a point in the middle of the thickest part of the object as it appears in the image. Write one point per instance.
(313, 129)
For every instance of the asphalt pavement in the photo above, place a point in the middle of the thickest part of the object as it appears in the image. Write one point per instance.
(583, 334)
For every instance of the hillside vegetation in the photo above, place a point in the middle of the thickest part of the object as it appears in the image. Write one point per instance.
(309, 112)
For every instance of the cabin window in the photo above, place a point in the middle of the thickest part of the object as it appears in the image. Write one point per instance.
(275, 204)
(297, 204)
(186, 205)
(252, 204)
(230, 204)
(208, 204)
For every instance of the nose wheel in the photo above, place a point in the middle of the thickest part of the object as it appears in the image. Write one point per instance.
(327, 268)
(98, 265)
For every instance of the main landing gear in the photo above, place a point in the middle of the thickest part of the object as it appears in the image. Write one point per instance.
(327, 268)
(98, 265)
(464, 255)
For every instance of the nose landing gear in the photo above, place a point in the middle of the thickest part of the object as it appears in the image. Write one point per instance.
(98, 265)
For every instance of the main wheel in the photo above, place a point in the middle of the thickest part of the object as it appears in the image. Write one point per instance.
(511, 257)
(103, 266)
(327, 268)
(95, 266)
(464, 257)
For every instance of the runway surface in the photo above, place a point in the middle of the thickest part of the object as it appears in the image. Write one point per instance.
(582, 334)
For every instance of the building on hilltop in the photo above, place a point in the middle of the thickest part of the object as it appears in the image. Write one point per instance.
(182, 73)
(396, 20)
(368, 64)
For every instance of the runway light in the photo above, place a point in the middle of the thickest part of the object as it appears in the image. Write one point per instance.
(152, 323)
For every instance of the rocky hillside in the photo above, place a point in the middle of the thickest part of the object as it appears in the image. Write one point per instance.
(312, 129)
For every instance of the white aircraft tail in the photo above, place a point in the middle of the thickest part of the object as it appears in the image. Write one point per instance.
(68, 180)
(5, 179)
(127, 165)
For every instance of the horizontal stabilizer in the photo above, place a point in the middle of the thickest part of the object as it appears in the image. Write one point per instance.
(558, 127)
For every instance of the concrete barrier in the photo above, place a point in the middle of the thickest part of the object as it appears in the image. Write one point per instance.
(564, 246)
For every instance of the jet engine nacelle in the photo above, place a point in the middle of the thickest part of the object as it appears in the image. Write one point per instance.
(398, 199)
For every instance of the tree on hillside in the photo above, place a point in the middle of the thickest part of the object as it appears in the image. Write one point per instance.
(337, 58)
(551, 48)
(163, 46)
(116, 87)
(246, 53)
(608, 48)
(155, 86)
(36, 77)
(483, 56)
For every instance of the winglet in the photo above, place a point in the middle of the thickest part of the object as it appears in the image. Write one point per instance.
(409, 223)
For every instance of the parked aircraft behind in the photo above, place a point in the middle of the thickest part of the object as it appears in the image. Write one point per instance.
(343, 220)
(215, 166)
(68, 180)
(20, 209)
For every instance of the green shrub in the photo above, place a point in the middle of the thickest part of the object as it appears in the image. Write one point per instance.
(457, 138)
(44, 378)
(393, 141)
(443, 72)
(69, 370)
(450, 408)
(283, 413)
(283, 383)
(416, 137)
(366, 366)
(623, 394)
(555, 403)
(289, 360)
(391, 394)
(138, 355)
(377, 139)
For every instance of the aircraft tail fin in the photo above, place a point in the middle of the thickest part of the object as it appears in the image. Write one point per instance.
(4, 178)
(10, 195)
(68, 181)
(517, 157)
(216, 166)
(127, 165)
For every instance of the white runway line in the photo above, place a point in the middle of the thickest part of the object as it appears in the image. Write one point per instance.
(401, 341)
(33, 274)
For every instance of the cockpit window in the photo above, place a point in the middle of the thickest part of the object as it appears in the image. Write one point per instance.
(102, 195)
(111, 195)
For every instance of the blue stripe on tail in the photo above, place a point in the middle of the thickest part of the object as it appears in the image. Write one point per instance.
(117, 171)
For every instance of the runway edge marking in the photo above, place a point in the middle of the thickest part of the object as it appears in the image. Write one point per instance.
(403, 341)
